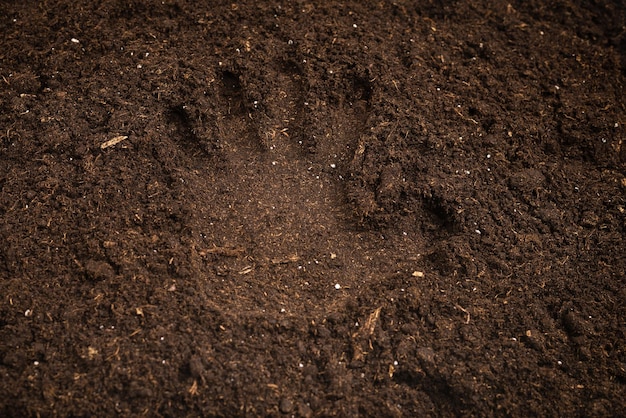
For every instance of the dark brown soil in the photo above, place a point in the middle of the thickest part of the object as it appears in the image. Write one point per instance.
(253, 208)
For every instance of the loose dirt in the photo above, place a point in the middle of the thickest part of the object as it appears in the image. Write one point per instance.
(255, 208)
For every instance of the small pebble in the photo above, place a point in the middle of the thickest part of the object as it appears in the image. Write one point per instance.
(286, 406)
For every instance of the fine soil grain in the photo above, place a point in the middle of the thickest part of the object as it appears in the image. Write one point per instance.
(298, 208)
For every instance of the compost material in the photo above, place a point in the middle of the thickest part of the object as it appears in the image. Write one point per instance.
(267, 208)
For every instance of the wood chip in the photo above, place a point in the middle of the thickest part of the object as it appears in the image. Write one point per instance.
(113, 141)
(362, 338)
(291, 259)
(223, 251)
(370, 324)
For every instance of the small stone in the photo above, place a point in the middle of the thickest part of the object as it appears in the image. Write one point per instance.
(418, 274)
(286, 405)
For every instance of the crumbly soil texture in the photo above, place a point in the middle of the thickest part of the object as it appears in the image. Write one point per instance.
(298, 208)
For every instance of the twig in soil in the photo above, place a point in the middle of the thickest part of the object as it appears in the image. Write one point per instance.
(113, 141)
(465, 117)
(459, 307)
(246, 270)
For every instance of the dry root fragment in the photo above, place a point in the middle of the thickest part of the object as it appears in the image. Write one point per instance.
(193, 390)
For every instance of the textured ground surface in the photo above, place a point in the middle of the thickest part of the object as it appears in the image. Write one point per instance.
(312, 208)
